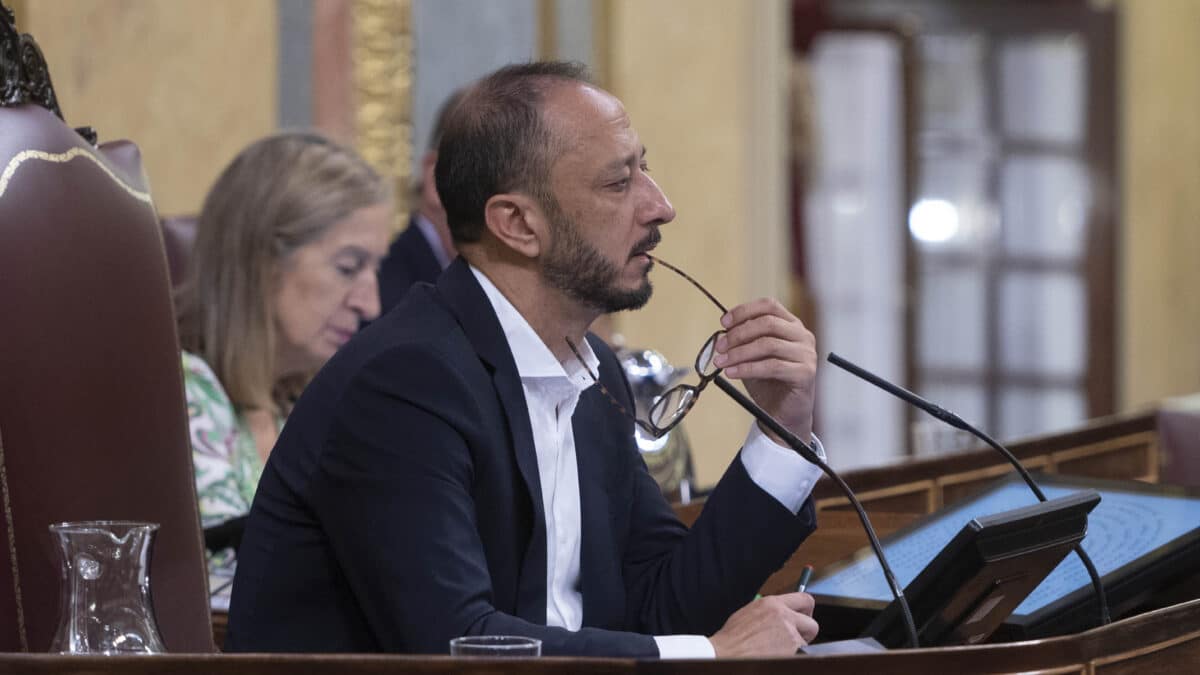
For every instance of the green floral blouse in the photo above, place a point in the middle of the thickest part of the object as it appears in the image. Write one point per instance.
(227, 465)
(223, 452)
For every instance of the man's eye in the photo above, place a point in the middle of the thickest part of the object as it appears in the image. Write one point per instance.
(620, 185)
(349, 271)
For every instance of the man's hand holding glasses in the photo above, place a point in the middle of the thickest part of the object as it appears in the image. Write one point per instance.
(762, 344)
(775, 356)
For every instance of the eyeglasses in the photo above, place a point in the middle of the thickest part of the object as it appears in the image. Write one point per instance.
(669, 409)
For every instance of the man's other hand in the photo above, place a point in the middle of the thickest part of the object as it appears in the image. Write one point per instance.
(776, 625)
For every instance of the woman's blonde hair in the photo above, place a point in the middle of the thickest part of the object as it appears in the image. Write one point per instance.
(280, 193)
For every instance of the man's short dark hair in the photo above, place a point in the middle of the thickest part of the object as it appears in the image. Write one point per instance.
(443, 114)
(495, 141)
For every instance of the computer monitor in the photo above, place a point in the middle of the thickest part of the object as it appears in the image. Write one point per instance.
(978, 578)
(1144, 539)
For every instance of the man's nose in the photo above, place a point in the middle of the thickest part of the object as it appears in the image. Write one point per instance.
(655, 207)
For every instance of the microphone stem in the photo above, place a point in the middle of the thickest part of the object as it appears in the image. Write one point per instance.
(802, 448)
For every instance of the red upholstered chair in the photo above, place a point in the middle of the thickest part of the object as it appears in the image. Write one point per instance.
(179, 236)
(93, 419)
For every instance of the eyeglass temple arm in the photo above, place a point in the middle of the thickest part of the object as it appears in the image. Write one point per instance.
(807, 453)
(689, 278)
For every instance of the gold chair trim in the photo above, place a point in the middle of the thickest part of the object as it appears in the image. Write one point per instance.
(63, 158)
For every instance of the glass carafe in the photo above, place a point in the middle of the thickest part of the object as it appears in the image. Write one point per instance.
(105, 603)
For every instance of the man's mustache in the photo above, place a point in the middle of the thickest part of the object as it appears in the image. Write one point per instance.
(648, 243)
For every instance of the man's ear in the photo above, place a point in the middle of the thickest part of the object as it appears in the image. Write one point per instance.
(517, 221)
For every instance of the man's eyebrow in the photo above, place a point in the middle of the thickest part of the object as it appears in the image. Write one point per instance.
(618, 164)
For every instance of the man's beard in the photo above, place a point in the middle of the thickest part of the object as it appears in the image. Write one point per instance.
(576, 268)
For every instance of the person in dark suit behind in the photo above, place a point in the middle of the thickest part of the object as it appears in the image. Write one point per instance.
(425, 247)
(455, 471)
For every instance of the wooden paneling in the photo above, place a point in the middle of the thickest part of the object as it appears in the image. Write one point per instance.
(1119, 447)
(917, 497)
(956, 486)
(1134, 456)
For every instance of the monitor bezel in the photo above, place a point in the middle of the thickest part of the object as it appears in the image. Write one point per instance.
(1126, 587)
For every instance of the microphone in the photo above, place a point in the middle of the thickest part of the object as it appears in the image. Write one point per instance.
(958, 423)
(802, 448)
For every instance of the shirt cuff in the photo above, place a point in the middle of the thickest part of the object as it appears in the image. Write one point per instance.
(780, 471)
(684, 647)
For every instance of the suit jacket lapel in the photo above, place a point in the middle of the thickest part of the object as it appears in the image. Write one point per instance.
(475, 314)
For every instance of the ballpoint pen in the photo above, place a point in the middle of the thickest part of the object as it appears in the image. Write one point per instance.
(804, 577)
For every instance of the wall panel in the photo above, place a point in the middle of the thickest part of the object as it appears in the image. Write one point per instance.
(1160, 245)
(190, 82)
(704, 82)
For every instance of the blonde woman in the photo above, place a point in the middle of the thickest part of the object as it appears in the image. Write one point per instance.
(283, 271)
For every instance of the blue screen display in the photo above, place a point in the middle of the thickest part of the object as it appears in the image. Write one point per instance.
(1124, 526)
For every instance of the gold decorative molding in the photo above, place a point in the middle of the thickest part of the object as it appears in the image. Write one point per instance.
(383, 76)
(62, 158)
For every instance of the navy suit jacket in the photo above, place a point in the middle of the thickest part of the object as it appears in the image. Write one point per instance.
(409, 260)
(401, 507)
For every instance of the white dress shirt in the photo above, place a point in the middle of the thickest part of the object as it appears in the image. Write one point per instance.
(552, 390)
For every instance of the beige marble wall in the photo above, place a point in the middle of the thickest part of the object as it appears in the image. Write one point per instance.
(704, 81)
(18, 8)
(190, 82)
(1160, 246)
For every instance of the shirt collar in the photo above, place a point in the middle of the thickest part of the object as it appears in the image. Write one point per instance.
(533, 358)
(429, 231)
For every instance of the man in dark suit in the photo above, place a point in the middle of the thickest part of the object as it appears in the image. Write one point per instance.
(453, 470)
(425, 247)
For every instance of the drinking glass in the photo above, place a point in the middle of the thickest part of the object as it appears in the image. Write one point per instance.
(495, 645)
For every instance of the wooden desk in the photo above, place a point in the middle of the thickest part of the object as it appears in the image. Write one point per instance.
(1165, 641)
(1162, 641)
(308, 664)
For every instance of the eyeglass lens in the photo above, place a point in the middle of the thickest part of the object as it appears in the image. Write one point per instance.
(704, 361)
(673, 403)
(676, 401)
